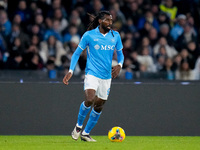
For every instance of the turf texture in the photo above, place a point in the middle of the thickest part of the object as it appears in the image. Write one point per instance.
(103, 143)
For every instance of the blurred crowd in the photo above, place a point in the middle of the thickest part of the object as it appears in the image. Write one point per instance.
(157, 35)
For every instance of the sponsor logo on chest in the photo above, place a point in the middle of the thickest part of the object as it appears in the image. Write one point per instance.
(104, 47)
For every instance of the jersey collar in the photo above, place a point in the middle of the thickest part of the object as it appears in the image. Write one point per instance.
(98, 31)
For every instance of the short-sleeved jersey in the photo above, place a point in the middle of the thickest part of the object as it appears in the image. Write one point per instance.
(100, 49)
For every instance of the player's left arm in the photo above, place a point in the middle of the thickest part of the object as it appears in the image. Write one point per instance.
(116, 69)
(120, 58)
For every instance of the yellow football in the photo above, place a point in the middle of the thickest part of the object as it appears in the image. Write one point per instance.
(116, 134)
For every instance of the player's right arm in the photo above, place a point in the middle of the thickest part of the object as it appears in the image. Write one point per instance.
(82, 45)
(67, 77)
(74, 61)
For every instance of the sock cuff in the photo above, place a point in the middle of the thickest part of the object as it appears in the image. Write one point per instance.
(85, 133)
(96, 112)
(79, 126)
(85, 106)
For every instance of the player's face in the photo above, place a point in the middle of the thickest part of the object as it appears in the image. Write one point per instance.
(107, 22)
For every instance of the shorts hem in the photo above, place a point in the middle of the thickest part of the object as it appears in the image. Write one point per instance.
(86, 88)
(103, 98)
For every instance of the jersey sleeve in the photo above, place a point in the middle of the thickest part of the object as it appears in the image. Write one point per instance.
(119, 45)
(84, 41)
(75, 58)
(120, 58)
(82, 45)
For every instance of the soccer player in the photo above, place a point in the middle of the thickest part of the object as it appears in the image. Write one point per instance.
(100, 41)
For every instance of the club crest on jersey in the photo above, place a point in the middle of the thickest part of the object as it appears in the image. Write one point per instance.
(96, 46)
(96, 39)
(113, 40)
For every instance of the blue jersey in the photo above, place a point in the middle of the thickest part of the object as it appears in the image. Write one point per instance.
(100, 49)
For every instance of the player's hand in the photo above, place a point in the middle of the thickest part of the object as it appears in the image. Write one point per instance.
(67, 77)
(115, 71)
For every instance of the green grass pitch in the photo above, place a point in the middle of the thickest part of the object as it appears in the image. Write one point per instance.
(103, 143)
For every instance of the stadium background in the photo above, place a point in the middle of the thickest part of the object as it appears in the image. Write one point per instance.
(160, 38)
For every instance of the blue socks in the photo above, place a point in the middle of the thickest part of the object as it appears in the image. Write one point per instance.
(94, 116)
(93, 119)
(83, 111)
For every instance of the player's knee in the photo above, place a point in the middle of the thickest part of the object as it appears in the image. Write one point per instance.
(89, 101)
(90, 97)
(98, 108)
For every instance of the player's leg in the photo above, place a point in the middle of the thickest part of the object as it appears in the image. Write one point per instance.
(90, 96)
(102, 95)
(85, 106)
(93, 119)
(90, 85)
(83, 111)
(95, 114)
